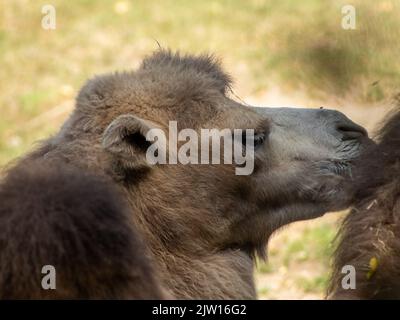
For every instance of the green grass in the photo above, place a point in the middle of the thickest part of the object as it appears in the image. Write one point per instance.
(299, 259)
(314, 285)
(325, 59)
(315, 243)
(312, 244)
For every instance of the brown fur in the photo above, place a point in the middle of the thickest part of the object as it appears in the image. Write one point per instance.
(202, 225)
(92, 244)
(372, 229)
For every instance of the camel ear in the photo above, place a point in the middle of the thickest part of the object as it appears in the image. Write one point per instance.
(125, 138)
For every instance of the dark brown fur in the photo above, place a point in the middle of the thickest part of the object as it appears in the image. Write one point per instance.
(92, 244)
(372, 229)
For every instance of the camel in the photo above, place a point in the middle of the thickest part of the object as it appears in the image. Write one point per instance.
(113, 225)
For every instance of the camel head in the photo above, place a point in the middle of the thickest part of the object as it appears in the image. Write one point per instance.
(299, 165)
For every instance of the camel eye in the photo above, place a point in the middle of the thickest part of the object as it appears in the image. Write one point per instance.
(259, 139)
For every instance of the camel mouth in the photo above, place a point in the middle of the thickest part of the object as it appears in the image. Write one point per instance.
(333, 190)
(348, 154)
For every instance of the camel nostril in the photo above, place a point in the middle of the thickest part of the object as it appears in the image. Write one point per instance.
(351, 131)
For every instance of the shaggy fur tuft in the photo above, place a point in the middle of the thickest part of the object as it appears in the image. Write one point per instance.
(205, 64)
(372, 229)
(77, 222)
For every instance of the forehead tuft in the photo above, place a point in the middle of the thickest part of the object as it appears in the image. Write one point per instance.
(206, 65)
(175, 85)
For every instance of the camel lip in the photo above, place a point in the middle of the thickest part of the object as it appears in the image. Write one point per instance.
(336, 167)
(341, 168)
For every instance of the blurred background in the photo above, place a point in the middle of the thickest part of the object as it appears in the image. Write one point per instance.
(281, 53)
